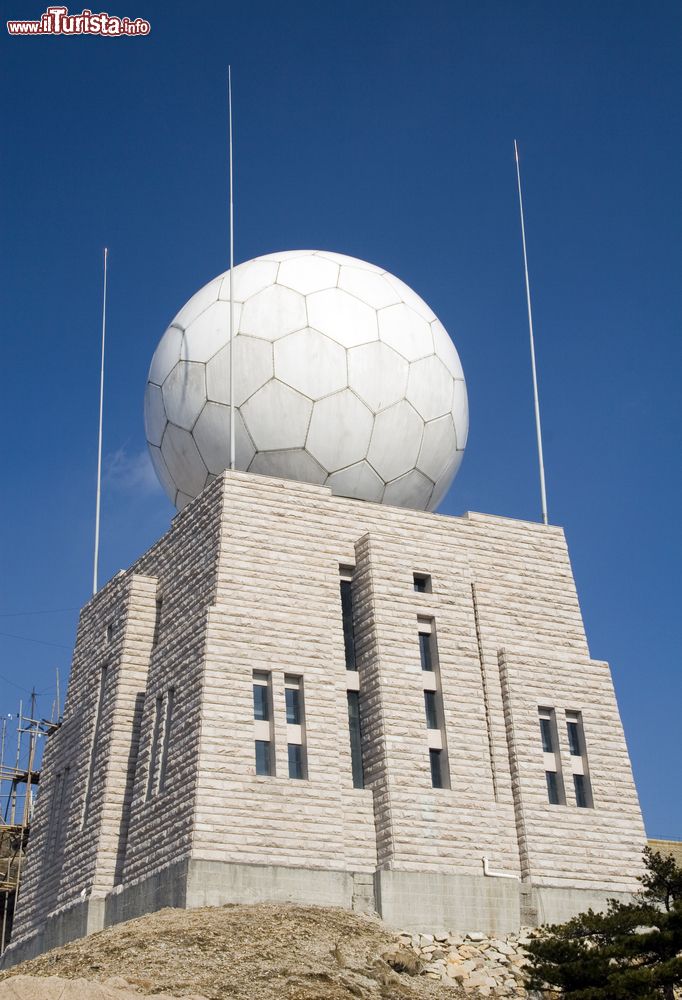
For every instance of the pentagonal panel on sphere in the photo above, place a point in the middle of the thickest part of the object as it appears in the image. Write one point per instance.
(396, 440)
(411, 298)
(184, 393)
(445, 480)
(154, 414)
(183, 460)
(281, 255)
(181, 500)
(250, 278)
(340, 430)
(308, 274)
(273, 313)
(200, 300)
(405, 331)
(294, 463)
(166, 355)
(438, 446)
(429, 388)
(209, 332)
(342, 317)
(161, 470)
(446, 350)
(359, 481)
(277, 417)
(252, 369)
(377, 374)
(411, 490)
(460, 413)
(310, 362)
(212, 436)
(342, 258)
(368, 286)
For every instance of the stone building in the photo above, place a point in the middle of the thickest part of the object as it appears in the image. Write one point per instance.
(295, 696)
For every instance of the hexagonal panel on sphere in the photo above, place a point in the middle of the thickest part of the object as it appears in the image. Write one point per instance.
(342, 375)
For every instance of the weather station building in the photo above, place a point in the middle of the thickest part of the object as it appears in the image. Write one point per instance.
(313, 688)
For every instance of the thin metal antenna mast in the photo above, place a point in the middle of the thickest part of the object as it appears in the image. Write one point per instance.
(101, 410)
(232, 434)
(538, 429)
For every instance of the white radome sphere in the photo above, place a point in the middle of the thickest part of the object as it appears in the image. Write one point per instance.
(343, 376)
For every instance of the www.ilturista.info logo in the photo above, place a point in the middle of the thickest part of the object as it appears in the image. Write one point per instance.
(58, 21)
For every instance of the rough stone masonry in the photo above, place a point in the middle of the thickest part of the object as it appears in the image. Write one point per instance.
(440, 748)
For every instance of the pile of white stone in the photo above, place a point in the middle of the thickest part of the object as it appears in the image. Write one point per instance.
(481, 965)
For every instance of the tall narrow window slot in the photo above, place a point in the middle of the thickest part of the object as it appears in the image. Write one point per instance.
(157, 621)
(262, 723)
(154, 749)
(355, 730)
(167, 725)
(433, 704)
(549, 741)
(581, 776)
(94, 743)
(346, 586)
(295, 716)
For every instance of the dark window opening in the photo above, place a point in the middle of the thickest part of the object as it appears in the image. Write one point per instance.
(355, 739)
(263, 757)
(436, 761)
(296, 766)
(582, 796)
(425, 650)
(431, 708)
(157, 622)
(546, 732)
(574, 741)
(261, 708)
(422, 583)
(552, 788)
(347, 617)
(293, 702)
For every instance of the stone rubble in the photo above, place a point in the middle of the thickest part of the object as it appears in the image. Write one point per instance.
(480, 965)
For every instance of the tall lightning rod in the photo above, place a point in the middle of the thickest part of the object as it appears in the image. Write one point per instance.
(101, 411)
(536, 401)
(232, 435)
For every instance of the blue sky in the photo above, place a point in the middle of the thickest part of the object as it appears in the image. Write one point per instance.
(385, 131)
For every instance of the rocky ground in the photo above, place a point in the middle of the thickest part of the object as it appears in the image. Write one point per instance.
(267, 952)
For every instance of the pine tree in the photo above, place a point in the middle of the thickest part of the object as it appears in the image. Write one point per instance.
(633, 950)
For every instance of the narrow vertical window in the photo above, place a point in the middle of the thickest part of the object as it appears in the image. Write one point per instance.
(167, 724)
(580, 786)
(292, 694)
(157, 622)
(581, 773)
(263, 757)
(295, 716)
(574, 738)
(261, 698)
(546, 734)
(94, 744)
(431, 709)
(552, 788)
(436, 761)
(549, 740)
(296, 763)
(154, 749)
(262, 716)
(347, 619)
(355, 731)
(425, 652)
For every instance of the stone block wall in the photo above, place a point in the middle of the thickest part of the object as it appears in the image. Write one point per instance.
(149, 790)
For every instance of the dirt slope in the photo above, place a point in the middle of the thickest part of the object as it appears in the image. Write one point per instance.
(264, 952)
